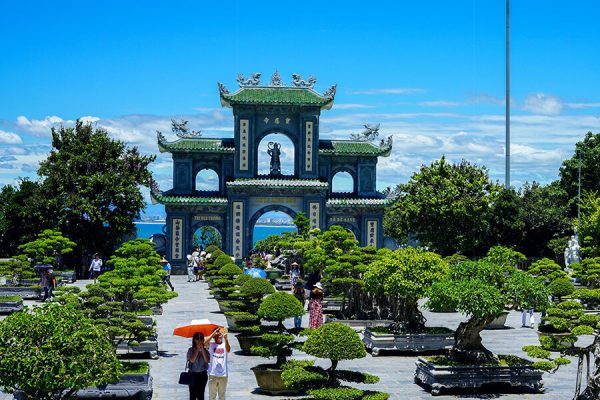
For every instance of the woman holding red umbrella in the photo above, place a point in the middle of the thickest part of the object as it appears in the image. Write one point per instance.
(197, 356)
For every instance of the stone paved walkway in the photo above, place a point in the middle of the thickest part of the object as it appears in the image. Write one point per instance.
(396, 373)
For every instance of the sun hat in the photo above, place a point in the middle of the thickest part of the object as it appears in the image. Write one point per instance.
(318, 285)
(189, 257)
(163, 260)
(202, 254)
(195, 254)
(295, 263)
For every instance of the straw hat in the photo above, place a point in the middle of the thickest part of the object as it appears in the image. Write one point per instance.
(163, 260)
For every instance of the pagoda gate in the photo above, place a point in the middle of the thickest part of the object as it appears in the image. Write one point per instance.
(243, 195)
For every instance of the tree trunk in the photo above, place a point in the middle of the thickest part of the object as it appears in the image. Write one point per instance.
(408, 317)
(467, 347)
(592, 391)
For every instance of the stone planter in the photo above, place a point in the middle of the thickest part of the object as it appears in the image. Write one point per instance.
(439, 378)
(268, 379)
(26, 292)
(332, 305)
(68, 276)
(499, 322)
(360, 325)
(407, 342)
(283, 285)
(10, 306)
(147, 348)
(231, 323)
(130, 386)
(246, 342)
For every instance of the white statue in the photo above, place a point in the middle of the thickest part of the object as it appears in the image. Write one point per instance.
(572, 252)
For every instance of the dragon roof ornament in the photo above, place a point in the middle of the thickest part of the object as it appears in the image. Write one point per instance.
(253, 81)
(222, 88)
(298, 82)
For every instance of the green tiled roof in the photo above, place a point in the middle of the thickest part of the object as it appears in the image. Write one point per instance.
(197, 145)
(358, 202)
(173, 200)
(276, 96)
(278, 183)
(353, 148)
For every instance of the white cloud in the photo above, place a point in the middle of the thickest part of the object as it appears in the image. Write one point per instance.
(388, 91)
(9, 138)
(540, 103)
(40, 127)
(582, 105)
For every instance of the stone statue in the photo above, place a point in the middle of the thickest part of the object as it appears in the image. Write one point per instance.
(370, 133)
(254, 80)
(297, 81)
(572, 252)
(274, 150)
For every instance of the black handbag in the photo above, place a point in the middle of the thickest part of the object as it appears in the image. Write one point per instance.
(186, 377)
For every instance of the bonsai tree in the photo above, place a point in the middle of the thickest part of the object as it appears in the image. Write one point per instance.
(48, 248)
(230, 270)
(278, 307)
(482, 290)
(566, 324)
(588, 271)
(404, 276)
(560, 288)
(335, 342)
(50, 352)
(547, 270)
(255, 289)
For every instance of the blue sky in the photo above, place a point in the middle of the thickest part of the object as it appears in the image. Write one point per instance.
(431, 72)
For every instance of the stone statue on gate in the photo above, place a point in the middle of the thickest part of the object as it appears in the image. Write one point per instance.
(572, 252)
(274, 150)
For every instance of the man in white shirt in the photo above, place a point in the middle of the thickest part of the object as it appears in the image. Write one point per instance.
(96, 266)
(217, 367)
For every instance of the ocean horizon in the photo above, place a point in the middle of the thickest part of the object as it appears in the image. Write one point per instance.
(148, 228)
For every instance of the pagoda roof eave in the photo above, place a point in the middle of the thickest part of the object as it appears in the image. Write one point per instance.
(337, 148)
(358, 202)
(196, 145)
(280, 96)
(176, 200)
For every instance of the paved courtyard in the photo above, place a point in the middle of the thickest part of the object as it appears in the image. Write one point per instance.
(396, 373)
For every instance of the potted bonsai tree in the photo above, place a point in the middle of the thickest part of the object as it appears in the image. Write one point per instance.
(277, 342)
(547, 270)
(253, 290)
(401, 278)
(335, 342)
(481, 290)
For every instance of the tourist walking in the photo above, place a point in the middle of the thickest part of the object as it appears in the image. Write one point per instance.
(301, 296)
(197, 357)
(217, 367)
(295, 273)
(190, 268)
(524, 313)
(48, 282)
(316, 306)
(167, 276)
(312, 279)
(96, 266)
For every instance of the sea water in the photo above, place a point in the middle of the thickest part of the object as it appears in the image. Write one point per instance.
(147, 229)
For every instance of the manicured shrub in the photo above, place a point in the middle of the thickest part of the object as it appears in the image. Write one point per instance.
(561, 287)
(335, 341)
(230, 270)
(547, 270)
(221, 260)
(211, 249)
(257, 288)
(280, 306)
(241, 279)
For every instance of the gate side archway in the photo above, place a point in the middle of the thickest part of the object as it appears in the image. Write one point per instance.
(216, 225)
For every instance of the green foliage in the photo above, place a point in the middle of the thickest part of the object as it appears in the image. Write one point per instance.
(280, 306)
(241, 279)
(588, 271)
(588, 224)
(230, 270)
(335, 341)
(536, 351)
(590, 173)
(17, 268)
(47, 350)
(547, 270)
(446, 206)
(582, 330)
(561, 287)
(135, 367)
(206, 236)
(405, 274)
(504, 256)
(525, 291)
(257, 288)
(211, 248)
(302, 223)
(48, 247)
(24, 211)
(455, 259)
(93, 183)
(221, 261)
(544, 210)
(544, 365)
(340, 393)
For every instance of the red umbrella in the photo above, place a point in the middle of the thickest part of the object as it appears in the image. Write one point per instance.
(204, 326)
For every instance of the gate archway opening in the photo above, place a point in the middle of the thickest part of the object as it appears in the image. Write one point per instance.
(207, 180)
(205, 236)
(286, 156)
(274, 222)
(342, 182)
